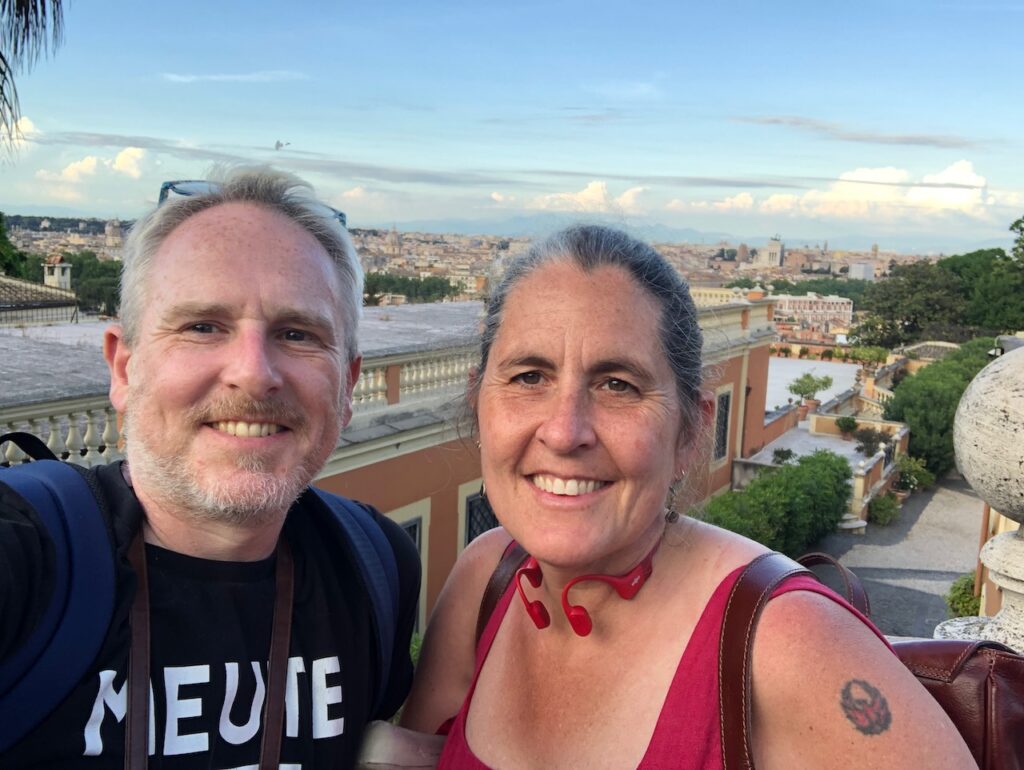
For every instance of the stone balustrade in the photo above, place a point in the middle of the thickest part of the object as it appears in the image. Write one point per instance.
(86, 430)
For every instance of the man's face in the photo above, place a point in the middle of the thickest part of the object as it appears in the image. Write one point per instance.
(237, 386)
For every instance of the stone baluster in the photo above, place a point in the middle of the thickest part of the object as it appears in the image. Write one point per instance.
(74, 441)
(380, 386)
(12, 454)
(54, 440)
(92, 440)
(110, 436)
(988, 436)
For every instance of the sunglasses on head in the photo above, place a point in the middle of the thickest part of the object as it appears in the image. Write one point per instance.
(189, 187)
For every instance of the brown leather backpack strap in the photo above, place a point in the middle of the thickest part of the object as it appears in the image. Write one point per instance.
(136, 741)
(511, 560)
(277, 668)
(749, 594)
(853, 589)
(136, 730)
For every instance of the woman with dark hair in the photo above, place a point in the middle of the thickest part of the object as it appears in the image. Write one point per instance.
(603, 651)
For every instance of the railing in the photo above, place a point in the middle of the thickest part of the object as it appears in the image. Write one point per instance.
(83, 431)
(86, 431)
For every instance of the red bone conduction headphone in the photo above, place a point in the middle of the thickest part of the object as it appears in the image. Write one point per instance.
(626, 585)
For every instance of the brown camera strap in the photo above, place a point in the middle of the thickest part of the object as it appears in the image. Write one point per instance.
(136, 738)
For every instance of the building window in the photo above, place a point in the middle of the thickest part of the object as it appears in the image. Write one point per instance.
(414, 529)
(722, 425)
(479, 517)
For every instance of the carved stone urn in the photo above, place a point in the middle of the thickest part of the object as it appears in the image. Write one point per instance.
(988, 436)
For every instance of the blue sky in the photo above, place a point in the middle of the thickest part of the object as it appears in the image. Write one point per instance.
(898, 121)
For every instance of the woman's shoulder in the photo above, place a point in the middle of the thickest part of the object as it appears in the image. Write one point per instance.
(709, 552)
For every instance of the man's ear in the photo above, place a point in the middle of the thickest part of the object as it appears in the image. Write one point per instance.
(117, 354)
(354, 367)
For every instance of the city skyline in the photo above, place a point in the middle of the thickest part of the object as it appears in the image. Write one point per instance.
(892, 124)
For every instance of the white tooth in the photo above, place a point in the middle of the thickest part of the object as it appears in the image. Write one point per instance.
(272, 429)
(558, 487)
(572, 487)
(254, 429)
(264, 430)
(231, 427)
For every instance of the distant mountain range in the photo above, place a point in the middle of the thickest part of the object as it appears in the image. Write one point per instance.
(533, 225)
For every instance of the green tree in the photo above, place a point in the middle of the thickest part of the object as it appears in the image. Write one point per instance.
(808, 386)
(790, 508)
(916, 297)
(416, 290)
(28, 29)
(1018, 245)
(12, 261)
(927, 402)
(95, 281)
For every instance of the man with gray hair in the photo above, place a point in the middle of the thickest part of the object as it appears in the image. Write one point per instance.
(246, 627)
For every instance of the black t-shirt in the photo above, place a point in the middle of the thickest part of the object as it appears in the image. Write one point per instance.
(210, 630)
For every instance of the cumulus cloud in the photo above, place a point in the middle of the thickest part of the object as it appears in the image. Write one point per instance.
(881, 194)
(25, 131)
(594, 198)
(127, 162)
(498, 197)
(629, 200)
(355, 193)
(739, 202)
(263, 76)
(73, 172)
(889, 193)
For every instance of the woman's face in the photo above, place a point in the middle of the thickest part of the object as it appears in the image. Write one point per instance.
(579, 418)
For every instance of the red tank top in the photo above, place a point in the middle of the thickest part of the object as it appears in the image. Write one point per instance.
(688, 731)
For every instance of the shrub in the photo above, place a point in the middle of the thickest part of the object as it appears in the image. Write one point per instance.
(883, 510)
(868, 440)
(846, 424)
(789, 509)
(782, 456)
(961, 600)
(808, 386)
(827, 354)
(911, 474)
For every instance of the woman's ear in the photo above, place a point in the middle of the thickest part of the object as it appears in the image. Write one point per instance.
(693, 431)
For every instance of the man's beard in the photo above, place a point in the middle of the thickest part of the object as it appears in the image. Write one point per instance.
(260, 496)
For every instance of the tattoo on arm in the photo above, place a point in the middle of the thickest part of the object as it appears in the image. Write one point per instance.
(865, 707)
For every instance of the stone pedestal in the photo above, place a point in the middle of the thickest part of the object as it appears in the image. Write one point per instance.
(1004, 557)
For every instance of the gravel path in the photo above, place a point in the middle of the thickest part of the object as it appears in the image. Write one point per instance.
(907, 567)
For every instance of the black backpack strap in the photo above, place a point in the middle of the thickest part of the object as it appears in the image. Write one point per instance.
(29, 444)
(70, 632)
(376, 565)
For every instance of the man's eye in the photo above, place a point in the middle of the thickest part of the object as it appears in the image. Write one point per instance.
(202, 328)
(297, 335)
(528, 378)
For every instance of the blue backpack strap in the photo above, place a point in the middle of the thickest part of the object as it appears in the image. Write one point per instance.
(376, 564)
(68, 636)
